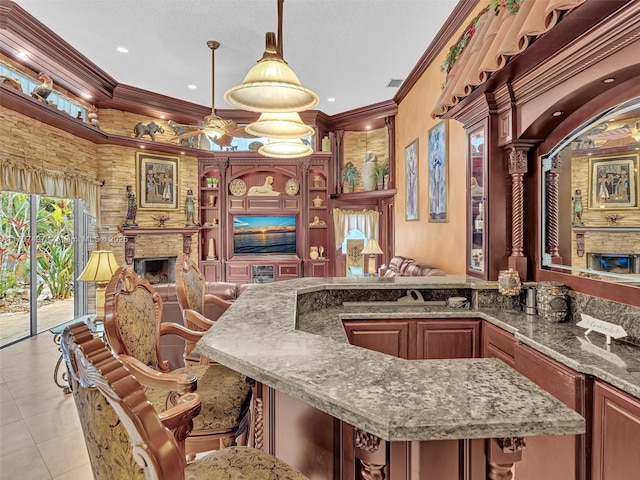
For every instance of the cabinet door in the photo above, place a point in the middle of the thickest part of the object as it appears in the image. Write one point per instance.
(616, 434)
(560, 457)
(443, 338)
(476, 214)
(384, 336)
(498, 343)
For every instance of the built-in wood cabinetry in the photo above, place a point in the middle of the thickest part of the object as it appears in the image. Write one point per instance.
(299, 189)
(616, 434)
(417, 339)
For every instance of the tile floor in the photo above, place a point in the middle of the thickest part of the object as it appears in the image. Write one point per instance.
(40, 434)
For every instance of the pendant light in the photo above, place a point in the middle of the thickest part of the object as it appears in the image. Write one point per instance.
(285, 148)
(272, 86)
(280, 125)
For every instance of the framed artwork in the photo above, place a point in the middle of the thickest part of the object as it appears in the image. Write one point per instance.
(157, 181)
(438, 173)
(411, 165)
(613, 182)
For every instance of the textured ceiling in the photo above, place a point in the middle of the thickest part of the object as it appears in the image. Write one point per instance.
(345, 49)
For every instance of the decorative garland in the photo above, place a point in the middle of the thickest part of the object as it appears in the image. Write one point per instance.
(512, 6)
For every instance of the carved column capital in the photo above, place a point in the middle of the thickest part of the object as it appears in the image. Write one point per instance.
(222, 164)
(305, 164)
(517, 161)
(511, 444)
(367, 441)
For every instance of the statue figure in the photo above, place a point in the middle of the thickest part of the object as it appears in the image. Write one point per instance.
(132, 209)
(190, 208)
(577, 207)
(266, 189)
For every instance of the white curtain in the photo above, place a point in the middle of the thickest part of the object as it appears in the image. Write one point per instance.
(346, 220)
(17, 176)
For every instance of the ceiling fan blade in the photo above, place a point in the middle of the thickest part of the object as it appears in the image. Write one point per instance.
(195, 133)
(224, 141)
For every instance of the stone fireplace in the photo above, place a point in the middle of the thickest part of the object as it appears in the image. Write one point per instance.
(156, 269)
(614, 262)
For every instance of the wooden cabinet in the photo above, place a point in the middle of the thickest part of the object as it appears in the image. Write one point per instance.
(210, 219)
(497, 343)
(417, 339)
(476, 214)
(616, 434)
(317, 244)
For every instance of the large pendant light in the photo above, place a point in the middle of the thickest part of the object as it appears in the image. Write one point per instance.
(272, 86)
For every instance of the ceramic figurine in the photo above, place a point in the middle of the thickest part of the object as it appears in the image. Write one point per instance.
(190, 208)
(265, 189)
(132, 209)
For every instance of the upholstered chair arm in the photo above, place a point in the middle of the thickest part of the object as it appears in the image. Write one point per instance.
(182, 413)
(167, 328)
(197, 319)
(151, 378)
(210, 298)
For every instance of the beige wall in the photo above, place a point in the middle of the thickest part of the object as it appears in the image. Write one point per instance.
(440, 244)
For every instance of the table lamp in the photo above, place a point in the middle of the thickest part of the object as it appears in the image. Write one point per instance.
(372, 248)
(100, 268)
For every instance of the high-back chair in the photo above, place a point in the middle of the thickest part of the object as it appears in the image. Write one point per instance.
(190, 290)
(158, 453)
(133, 312)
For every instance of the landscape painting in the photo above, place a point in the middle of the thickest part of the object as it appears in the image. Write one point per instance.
(259, 235)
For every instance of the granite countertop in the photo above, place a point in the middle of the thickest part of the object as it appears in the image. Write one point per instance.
(308, 357)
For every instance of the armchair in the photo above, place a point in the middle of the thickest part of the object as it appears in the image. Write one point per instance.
(192, 299)
(158, 453)
(133, 312)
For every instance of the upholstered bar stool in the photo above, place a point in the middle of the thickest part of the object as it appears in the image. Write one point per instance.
(158, 453)
(133, 327)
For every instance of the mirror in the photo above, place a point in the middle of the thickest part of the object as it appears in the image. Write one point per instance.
(591, 198)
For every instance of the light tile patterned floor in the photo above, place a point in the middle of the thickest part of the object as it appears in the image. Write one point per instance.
(40, 434)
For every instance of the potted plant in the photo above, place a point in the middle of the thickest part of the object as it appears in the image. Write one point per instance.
(214, 182)
(209, 181)
(349, 175)
(380, 171)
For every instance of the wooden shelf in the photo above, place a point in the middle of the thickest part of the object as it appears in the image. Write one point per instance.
(608, 229)
(373, 194)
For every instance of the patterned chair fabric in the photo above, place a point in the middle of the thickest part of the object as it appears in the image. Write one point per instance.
(155, 449)
(194, 290)
(132, 325)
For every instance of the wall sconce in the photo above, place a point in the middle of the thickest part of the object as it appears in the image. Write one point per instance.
(100, 268)
(372, 248)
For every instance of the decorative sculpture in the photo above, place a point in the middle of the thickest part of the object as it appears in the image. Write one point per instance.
(265, 189)
(150, 129)
(161, 220)
(92, 116)
(42, 91)
(132, 209)
(11, 82)
(190, 208)
(577, 207)
(317, 222)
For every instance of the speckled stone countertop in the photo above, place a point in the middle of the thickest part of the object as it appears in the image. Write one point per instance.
(301, 350)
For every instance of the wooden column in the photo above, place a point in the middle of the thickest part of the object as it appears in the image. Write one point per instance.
(551, 188)
(338, 157)
(130, 235)
(372, 453)
(390, 123)
(502, 454)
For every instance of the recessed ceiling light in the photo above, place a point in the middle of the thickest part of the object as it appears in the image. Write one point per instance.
(612, 119)
(162, 117)
(181, 153)
(122, 50)
(142, 146)
(23, 56)
(609, 80)
(192, 86)
(331, 99)
(557, 113)
(87, 95)
(367, 127)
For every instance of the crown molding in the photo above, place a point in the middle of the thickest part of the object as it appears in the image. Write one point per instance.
(370, 115)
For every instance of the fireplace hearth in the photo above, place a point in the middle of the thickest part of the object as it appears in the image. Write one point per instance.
(156, 270)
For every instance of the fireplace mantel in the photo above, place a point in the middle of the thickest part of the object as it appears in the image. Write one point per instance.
(131, 234)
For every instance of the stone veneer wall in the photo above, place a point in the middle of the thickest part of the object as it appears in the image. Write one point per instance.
(357, 144)
(43, 146)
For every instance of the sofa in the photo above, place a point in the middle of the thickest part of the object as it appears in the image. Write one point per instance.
(408, 267)
(172, 345)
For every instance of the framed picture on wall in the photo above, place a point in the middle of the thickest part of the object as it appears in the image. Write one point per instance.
(613, 182)
(157, 181)
(411, 165)
(438, 157)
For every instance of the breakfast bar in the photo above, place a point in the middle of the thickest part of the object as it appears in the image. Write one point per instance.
(336, 410)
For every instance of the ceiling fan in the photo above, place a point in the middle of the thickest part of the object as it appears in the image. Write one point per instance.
(217, 129)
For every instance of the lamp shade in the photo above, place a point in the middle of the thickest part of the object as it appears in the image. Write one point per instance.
(285, 148)
(372, 247)
(271, 86)
(100, 267)
(279, 125)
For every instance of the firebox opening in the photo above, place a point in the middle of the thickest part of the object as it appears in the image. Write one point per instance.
(156, 270)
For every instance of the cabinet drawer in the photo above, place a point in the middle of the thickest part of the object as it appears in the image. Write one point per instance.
(238, 272)
(288, 270)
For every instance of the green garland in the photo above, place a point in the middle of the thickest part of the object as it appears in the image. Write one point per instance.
(512, 6)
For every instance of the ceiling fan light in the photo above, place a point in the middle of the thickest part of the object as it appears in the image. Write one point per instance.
(285, 148)
(271, 86)
(279, 125)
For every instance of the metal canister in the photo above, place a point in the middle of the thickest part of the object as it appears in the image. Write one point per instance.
(553, 301)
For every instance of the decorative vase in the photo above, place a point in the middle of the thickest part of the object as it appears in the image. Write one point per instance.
(313, 253)
(317, 202)
(326, 144)
(509, 282)
(321, 251)
(380, 183)
(317, 181)
(212, 200)
(553, 301)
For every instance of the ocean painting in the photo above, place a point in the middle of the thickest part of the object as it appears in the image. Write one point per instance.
(256, 235)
